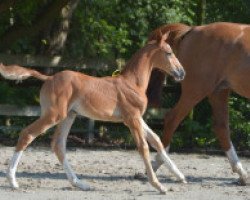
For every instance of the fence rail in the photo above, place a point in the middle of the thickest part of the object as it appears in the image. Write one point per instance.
(54, 61)
(14, 110)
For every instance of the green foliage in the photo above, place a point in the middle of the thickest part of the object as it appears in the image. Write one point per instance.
(19, 96)
(25, 12)
(230, 10)
(240, 121)
(122, 26)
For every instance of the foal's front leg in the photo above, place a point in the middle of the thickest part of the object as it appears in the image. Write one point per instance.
(135, 127)
(155, 142)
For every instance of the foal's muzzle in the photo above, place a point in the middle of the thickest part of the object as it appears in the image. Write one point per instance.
(178, 74)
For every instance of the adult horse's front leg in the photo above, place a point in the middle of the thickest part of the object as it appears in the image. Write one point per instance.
(136, 129)
(59, 147)
(173, 119)
(219, 104)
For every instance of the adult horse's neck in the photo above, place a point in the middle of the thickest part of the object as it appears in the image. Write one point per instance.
(138, 69)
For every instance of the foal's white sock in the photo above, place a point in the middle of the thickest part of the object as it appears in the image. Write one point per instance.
(172, 167)
(73, 178)
(11, 172)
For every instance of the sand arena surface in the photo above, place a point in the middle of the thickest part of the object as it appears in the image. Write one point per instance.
(111, 173)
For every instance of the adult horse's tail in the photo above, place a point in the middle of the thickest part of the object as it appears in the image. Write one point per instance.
(15, 72)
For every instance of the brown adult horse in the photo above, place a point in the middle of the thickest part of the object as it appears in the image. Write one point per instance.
(118, 99)
(216, 58)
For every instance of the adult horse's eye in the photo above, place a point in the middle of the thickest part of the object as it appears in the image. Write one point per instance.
(169, 53)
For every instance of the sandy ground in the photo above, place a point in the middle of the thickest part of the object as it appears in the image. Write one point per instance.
(111, 173)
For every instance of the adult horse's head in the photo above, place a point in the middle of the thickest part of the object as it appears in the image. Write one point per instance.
(166, 60)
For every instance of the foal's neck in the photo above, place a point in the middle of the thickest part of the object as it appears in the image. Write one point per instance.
(138, 69)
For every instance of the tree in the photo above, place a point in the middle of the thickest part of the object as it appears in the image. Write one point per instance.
(20, 30)
(201, 12)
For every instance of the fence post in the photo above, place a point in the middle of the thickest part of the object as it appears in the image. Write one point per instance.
(91, 127)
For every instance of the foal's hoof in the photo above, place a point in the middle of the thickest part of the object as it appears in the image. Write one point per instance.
(82, 186)
(13, 183)
(183, 181)
(163, 191)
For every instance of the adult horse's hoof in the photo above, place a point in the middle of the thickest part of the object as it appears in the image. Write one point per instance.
(244, 181)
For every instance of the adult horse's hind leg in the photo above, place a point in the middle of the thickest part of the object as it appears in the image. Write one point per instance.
(219, 103)
(27, 135)
(155, 142)
(136, 129)
(59, 147)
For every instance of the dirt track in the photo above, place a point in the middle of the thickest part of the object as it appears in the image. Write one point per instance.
(111, 172)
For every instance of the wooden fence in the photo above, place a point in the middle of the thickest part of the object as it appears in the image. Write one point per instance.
(55, 61)
(34, 111)
(47, 62)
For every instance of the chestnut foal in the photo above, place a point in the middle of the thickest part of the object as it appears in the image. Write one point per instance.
(118, 99)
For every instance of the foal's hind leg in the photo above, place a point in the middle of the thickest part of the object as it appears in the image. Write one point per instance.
(135, 127)
(59, 147)
(155, 142)
(26, 137)
(219, 103)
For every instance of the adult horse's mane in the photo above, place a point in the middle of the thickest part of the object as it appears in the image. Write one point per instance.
(177, 33)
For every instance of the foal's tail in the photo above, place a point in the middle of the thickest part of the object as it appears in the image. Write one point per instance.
(15, 72)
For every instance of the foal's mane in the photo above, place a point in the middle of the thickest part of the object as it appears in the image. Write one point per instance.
(177, 33)
(135, 58)
(138, 59)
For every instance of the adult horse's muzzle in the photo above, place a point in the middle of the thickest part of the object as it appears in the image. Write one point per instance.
(178, 73)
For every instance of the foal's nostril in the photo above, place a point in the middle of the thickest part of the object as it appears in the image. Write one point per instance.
(178, 74)
(175, 73)
(182, 73)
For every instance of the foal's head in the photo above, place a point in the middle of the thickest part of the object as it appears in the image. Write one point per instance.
(165, 60)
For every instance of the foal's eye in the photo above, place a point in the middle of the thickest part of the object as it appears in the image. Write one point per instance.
(169, 53)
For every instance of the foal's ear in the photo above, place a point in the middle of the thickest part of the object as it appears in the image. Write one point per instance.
(164, 37)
